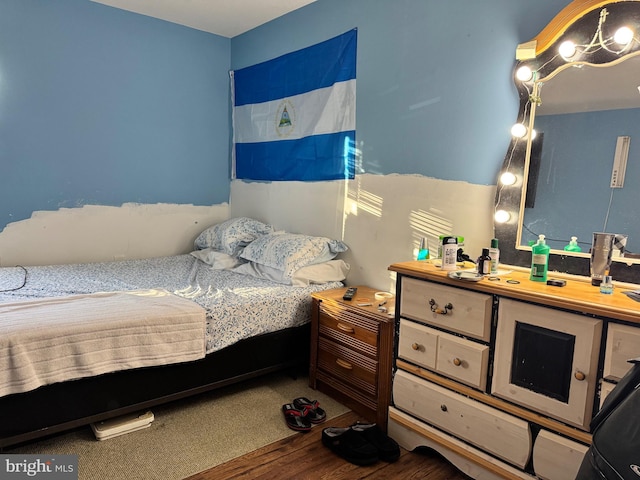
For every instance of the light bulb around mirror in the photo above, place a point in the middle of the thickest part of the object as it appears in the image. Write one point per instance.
(567, 49)
(534, 134)
(502, 216)
(507, 178)
(623, 36)
(524, 74)
(518, 130)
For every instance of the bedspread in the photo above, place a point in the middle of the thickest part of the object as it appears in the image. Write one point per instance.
(50, 340)
(237, 306)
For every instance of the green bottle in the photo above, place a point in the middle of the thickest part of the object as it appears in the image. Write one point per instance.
(539, 260)
(573, 245)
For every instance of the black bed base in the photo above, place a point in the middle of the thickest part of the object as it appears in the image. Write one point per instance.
(66, 405)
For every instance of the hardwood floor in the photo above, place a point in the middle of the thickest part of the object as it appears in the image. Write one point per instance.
(302, 456)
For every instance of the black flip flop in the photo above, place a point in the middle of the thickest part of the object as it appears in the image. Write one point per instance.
(312, 409)
(296, 418)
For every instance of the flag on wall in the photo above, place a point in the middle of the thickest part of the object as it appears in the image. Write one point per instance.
(294, 116)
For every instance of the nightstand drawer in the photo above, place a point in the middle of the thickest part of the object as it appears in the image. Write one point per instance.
(454, 309)
(499, 433)
(355, 331)
(348, 366)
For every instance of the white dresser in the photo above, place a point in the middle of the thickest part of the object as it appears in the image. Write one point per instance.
(503, 376)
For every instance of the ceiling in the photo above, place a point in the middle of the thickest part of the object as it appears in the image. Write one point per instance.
(226, 18)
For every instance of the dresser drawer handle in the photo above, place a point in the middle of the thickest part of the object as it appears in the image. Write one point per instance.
(438, 310)
(580, 376)
(415, 346)
(345, 328)
(344, 364)
(457, 362)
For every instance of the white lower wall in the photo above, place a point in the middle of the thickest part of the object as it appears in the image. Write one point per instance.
(98, 233)
(380, 217)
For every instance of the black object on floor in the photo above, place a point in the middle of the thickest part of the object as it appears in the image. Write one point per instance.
(295, 418)
(388, 449)
(613, 452)
(312, 409)
(350, 445)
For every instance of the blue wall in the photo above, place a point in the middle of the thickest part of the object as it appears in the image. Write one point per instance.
(435, 95)
(579, 148)
(102, 106)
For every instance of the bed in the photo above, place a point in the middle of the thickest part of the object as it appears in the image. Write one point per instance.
(240, 302)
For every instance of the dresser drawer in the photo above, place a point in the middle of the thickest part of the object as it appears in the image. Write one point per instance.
(623, 343)
(501, 434)
(418, 344)
(470, 312)
(348, 328)
(455, 357)
(556, 457)
(347, 366)
(463, 360)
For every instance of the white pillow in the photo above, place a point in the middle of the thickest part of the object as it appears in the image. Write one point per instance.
(289, 252)
(217, 260)
(331, 271)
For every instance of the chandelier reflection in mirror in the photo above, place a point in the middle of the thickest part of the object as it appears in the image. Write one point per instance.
(587, 32)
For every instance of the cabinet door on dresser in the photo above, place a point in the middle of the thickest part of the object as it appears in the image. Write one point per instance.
(547, 360)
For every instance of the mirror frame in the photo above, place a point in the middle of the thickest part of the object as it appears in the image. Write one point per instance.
(577, 22)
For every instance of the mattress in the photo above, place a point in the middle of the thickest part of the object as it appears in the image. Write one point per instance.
(236, 306)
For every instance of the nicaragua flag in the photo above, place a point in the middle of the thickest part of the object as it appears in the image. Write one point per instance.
(294, 117)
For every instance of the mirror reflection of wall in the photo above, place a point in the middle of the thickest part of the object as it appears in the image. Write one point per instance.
(573, 195)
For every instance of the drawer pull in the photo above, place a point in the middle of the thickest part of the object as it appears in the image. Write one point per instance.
(579, 376)
(438, 310)
(344, 364)
(415, 346)
(443, 407)
(345, 328)
(457, 362)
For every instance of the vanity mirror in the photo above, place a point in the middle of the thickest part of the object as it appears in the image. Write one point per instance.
(557, 174)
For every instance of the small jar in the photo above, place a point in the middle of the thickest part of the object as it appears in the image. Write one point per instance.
(606, 286)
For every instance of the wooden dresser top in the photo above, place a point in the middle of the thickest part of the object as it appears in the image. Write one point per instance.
(578, 294)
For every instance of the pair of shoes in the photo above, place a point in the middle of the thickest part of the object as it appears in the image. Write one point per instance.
(361, 443)
(312, 409)
(302, 413)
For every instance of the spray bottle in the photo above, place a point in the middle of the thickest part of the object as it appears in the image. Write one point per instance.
(539, 260)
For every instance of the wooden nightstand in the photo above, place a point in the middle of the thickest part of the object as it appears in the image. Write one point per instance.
(352, 351)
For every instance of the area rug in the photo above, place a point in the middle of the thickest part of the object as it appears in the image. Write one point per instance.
(189, 436)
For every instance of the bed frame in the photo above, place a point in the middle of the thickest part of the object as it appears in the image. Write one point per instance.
(62, 406)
